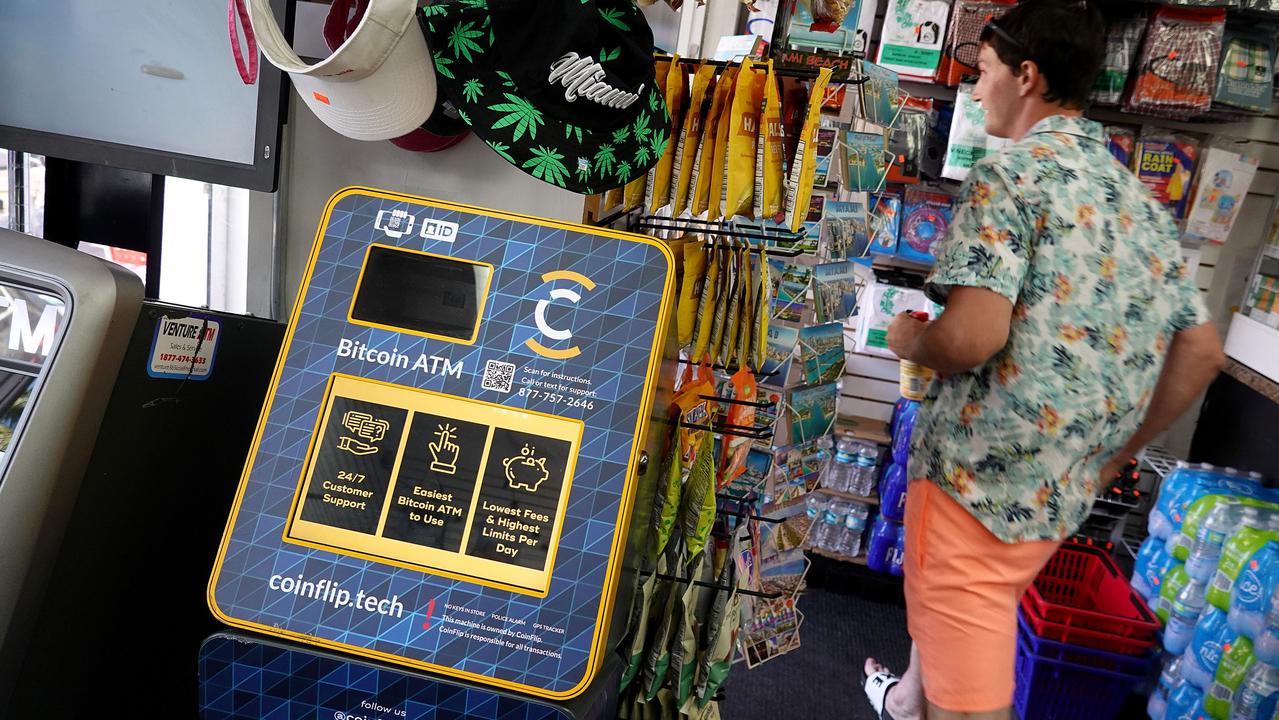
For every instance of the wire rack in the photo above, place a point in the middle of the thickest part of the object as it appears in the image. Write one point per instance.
(1160, 461)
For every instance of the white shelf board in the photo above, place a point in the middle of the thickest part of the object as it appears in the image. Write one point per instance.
(1254, 345)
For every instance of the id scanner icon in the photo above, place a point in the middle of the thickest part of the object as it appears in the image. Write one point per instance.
(395, 223)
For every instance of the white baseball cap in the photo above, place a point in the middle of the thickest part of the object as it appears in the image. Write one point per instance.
(378, 85)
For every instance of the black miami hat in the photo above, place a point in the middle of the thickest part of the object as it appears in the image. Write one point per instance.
(562, 89)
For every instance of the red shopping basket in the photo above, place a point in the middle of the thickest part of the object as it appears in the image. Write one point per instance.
(1081, 587)
(1056, 681)
(1083, 636)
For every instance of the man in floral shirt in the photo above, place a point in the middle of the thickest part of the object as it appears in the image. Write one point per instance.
(1071, 337)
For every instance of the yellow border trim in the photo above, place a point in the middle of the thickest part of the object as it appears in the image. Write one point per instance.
(609, 590)
(479, 312)
(561, 508)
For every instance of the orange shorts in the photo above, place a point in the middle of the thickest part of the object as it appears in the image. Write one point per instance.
(962, 589)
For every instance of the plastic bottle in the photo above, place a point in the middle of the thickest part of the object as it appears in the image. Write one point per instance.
(1151, 551)
(1235, 554)
(867, 471)
(1183, 615)
(1183, 700)
(892, 494)
(1234, 667)
(879, 548)
(839, 472)
(1252, 589)
(1174, 580)
(1266, 644)
(896, 566)
(1212, 636)
(905, 426)
(1159, 523)
(1168, 677)
(850, 541)
(1256, 698)
(1211, 534)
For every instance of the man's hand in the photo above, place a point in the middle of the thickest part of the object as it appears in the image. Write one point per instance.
(903, 333)
(1111, 469)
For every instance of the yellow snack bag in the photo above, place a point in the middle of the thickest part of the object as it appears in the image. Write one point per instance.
(763, 306)
(635, 189)
(706, 304)
(690, 293)
(716, 182)
(728, 290)
(690, 137)
(800, 184)
(773, 139)
(612, 198)
(659, 178)
(728, 346)
(746, 318)
(740, 172)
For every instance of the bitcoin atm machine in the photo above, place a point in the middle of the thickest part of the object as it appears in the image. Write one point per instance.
(65, 318)
(446, 463)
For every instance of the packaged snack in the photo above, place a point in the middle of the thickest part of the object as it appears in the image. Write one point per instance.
(963, 38)
(658, 653)
(794, 114)
(727, 296)
(1121, 142)
(702, 169)
(748, 97)
(612, 198)
(774, 166)
(684, 645)
(746, 315)
(1225, 174)
(659, 178)
(632, 646)
(800, 184)
(635, 191)
(1247, 76)
(1123, 39)
(719, 159)
(763, 307)
(968, 139)
(697, 511)
(707, 303)
(691, 135)
(722, 625)
(885, 223)
(732, 316)
(1166, 163)
(867, 161)
(666, 499)
(911, 40)
(736, 448)
(926, 216)
(693, 410)
(1177, 66)
(691, 287)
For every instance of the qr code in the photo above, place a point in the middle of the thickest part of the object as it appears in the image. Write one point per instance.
(498, 376)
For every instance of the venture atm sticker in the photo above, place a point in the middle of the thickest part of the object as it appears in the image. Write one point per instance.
(438, 483)
(184, 347)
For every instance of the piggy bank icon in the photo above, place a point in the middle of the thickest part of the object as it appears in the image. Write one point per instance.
(524, 471)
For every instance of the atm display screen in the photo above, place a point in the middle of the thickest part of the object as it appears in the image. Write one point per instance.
(29, 323)
(421, 293)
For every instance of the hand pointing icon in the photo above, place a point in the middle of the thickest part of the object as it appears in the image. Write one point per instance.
(443, 450)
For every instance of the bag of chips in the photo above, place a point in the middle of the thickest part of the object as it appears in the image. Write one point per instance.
(690, 293)
(632, 646)
(703, 167)
(748, 97)
(698, 504)
(722, 625)
(763, 310)
(659, 178)
(658, 653)
(746, 316)
(691, 135)
(800, 183)
(728, 348)
(728, 291)
(771, 135)
(707, 303)
(718, 183)
(684, 645)
(735, 448)
(666, 500)
(634, 192)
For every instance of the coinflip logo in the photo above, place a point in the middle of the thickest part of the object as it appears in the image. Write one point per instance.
(544, 327)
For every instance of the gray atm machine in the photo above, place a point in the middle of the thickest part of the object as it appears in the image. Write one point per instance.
(65, 318)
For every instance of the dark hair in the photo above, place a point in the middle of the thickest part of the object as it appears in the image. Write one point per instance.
(1066, 39)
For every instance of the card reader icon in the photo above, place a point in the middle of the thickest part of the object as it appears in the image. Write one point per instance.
(525, 472)
(365, 427)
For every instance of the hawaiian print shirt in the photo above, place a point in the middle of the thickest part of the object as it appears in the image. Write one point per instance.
(1093, 267)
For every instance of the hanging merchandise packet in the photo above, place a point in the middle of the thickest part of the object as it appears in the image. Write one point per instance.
(771, 136)
(739, 173)
(632, 646)
(691, 287)
(707, 303)
(963, 38)
(926, 217)
(906, 142)
(803, 169)
(1225, 174)
(763, 306)
(698, 504)
(719, 158)
(721, 637)
(746, 315)
(867, 161)
(635, 189)
(657, 656)
(1166, 164)
(691, 135)
(727, 294)
(1247, 76)
(911, 40)
(1123, 40)
(968, 139)
(702, 167)
(885, 223)
(1177, 66)
(728, 348)
(659, 178)
(736, 447)
(1121, 142)
(683, 666)
(666, 499)
(757, 186)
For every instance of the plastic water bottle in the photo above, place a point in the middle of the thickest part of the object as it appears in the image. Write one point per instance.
(815, 510)
(1251, 593)
(863, 480)
(1151, 549)
(850, 542)
(832, 526)
(896, 567)
(1266, 645)
(1173, 583)
(892, 493)
(1183, 615)
(1168, 677)
(1183, 700)
(1212, 636)
(841, 470)
(901, 437)
(1211, 535)
(879, 548)
(1257, 696)
(1234, 667)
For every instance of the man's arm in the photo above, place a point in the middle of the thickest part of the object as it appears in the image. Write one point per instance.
(970, 332)
(1194, 359)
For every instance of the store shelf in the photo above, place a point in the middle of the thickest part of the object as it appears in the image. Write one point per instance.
(864, 429)
(863, 499)
(1159, 460)
(1255, 345)
(859, 560)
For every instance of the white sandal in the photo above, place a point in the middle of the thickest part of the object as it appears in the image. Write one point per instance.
(876, 687)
